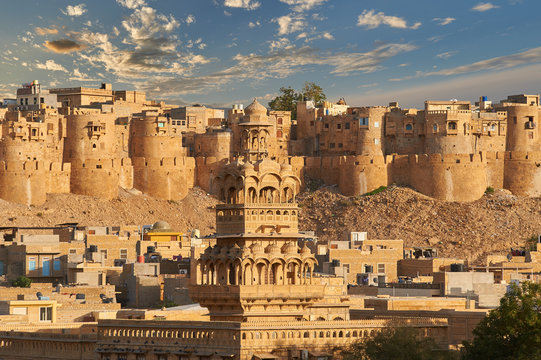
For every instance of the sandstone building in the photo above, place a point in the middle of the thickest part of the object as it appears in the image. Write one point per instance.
(93, 141)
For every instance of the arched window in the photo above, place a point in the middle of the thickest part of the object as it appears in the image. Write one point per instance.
(409, 127)
(451, 125)
(435, 127)
(279, 121)
(279, 134)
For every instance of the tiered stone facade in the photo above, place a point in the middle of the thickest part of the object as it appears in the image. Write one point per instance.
(98, 140)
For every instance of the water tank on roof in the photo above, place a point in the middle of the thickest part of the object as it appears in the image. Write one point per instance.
(485, 98)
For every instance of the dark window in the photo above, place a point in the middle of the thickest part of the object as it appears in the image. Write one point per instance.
(409, 127)
(340, 145)
(326, 126)
(332, 145)
(339, 126)
(347, 126)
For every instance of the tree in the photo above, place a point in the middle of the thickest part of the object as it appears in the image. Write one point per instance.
(22, 281)
(289, 98)
(287, 101)
(397, 343)
(511, 331)
(313, 92)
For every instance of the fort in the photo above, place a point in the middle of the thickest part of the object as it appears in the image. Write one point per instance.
(93, 141)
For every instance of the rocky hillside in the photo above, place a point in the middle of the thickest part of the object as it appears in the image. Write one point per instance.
(196, 211)
(490, 225)
(471, 230)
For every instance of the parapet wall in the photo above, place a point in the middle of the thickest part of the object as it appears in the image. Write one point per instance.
(522, 173)
(166, 178)
(29, 182)
(459, 177)
(452, 177)
(99, 178)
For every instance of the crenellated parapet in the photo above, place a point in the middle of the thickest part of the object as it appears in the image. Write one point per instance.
(522, 173)
(29, 182)
(166, 178)
(97, 177)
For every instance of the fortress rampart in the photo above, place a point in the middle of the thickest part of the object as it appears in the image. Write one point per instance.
(448, 151)
(458, 177)
(522, 173)
(29, 182)
(100, 177)
(167, 178)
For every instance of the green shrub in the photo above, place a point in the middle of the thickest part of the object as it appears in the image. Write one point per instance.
(22, 281)
(377, 191)
(489, 190)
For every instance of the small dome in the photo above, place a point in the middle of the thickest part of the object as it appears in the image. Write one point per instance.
(248, 166)
(267, 165)
(235, 250)
(208, 250)
(255, 108)
(305, 250)
(161, 226)
(246, 251)
(216, 250)
(257, 248)
(290, 248)
(285, 167)
(272, 249)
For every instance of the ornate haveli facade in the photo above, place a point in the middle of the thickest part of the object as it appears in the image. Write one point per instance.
(94, 141)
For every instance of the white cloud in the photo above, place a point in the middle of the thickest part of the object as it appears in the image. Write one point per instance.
(328, 36)
(303, 5)
(278, 63)
(502, 62)
(51, 65)
(243, 4)
(444, 21)
(484, 7)
(252, 25)
(279, 44)
(522, 80)
(288, 24)
(74, 10)
(131, 4)
(79, 76)
(446, 55)
(145, 23)
(190, 19)
(45, 31)
(371, 20)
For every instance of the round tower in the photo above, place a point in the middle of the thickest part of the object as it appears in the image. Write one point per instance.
(89, 136)
(151, 138)
(522, 127)
(90, 148)
(371, 121)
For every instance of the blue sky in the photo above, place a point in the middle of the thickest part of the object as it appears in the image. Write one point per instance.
(219, 52)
